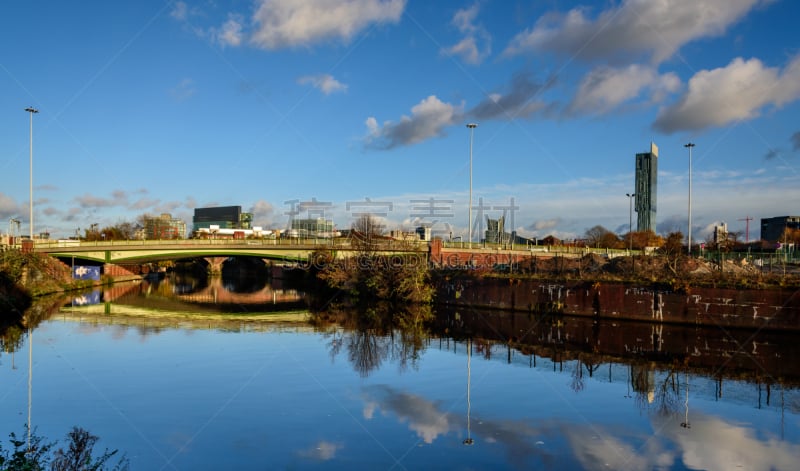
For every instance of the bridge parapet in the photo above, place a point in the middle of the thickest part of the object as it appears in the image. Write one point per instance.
(150, 251)
(304, 244)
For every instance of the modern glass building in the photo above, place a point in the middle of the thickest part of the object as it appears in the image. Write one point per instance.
(772, 228)
(496, 231)
(312, 227)
(226, 217)
(164, 227)
(646, 184)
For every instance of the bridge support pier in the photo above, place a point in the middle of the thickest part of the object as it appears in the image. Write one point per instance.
(122, 271)
(215, 265)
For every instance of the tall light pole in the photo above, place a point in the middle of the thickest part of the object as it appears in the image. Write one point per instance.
(630, 220)
(689, 146)
(471, 127)
(31, 110)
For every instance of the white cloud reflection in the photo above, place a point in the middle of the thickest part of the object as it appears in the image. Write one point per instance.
(711, 443)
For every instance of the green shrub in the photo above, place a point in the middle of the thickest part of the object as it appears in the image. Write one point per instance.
(34, 454)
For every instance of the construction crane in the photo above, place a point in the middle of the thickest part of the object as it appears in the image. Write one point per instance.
(747, 228)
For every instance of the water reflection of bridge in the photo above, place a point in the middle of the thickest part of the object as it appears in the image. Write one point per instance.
(217, 293)
(165, 296)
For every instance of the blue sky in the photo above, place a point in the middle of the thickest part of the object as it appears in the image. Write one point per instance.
(164, 106)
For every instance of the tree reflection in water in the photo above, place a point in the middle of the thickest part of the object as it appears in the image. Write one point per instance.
(657, 376)
(377, 333)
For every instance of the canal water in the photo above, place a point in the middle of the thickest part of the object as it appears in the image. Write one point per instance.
(194, 374)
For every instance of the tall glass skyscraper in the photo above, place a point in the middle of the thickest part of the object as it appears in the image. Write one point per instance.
(646, 183)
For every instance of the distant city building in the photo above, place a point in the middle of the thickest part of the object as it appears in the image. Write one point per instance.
(550, 240)
(720, 234)
(496, 234)
(224, 217)
(495, 231)
(646, 184)
(772, 228)
(319, 227)
(398, 234)
(163, 227)
(424, 232)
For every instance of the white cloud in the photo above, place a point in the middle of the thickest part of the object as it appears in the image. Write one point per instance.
(544, 225)
(288, 23)
(262, 212)
(323, 451)
(180, 11)
(184, 90)
(464, 19)
(231, 33)
(323, 82)
(605, 88)
(9, 208)
(184, 14)
(428, 119)
(51, 211)
(656, 28)
(423, 416)
(469, 48)
(738, 91)
(167, 207)
(144, 203)
(190, 202)
(712, 443)
(520, 101)
(118, 198)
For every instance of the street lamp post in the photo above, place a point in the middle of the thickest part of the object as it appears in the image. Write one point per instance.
(689, 146)
(630, 220)
(471, 127)
(32, 111)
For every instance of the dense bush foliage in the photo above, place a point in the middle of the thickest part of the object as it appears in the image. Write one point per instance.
(392, 278)
(38, 273)
(35, 454)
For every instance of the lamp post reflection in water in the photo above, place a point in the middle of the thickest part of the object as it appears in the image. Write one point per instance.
(685, 423)
(468, 441)
(30, 382)
(630, 379)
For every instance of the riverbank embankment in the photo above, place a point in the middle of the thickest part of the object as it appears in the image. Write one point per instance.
(773, 309)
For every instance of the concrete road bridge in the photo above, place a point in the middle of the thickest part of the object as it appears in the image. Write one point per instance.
(129, 257)
(146, 251)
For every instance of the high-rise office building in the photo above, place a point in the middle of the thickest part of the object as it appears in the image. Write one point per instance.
(646, 183)
(772, 229)
(226, 217)
(163, 227)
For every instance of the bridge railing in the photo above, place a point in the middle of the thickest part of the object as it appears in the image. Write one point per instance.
(300, 243)
(540, 249)
(305, 243)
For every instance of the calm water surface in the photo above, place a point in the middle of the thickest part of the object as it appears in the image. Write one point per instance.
(160, 374)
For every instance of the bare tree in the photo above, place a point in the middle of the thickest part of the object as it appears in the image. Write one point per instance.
(366, 233)
(598, 236)
(673, 250)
